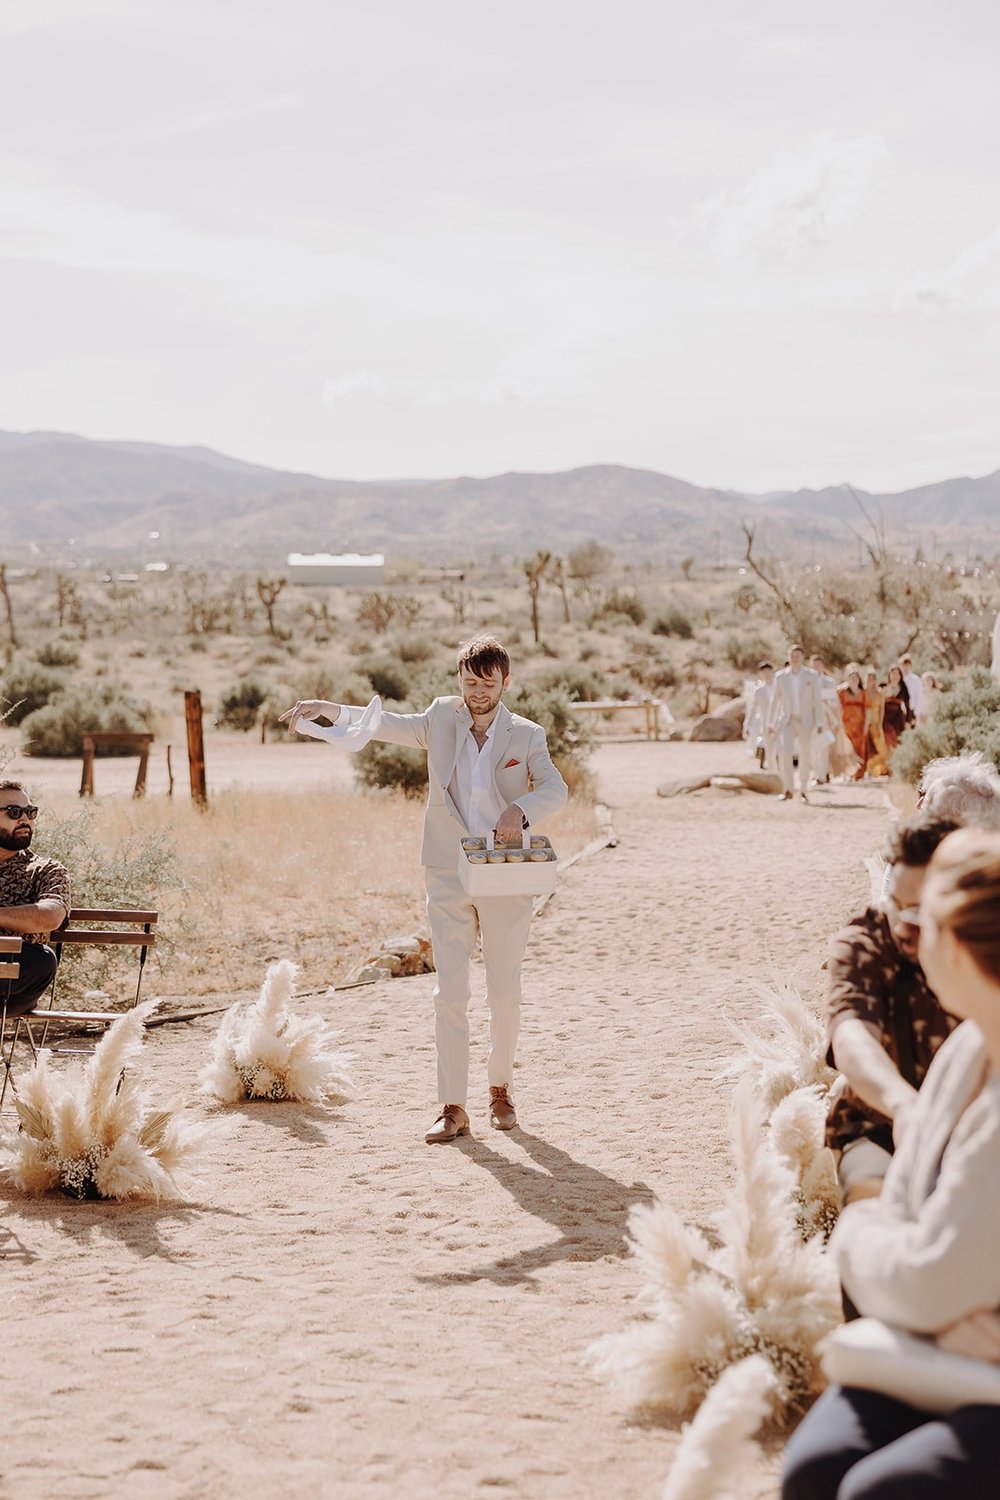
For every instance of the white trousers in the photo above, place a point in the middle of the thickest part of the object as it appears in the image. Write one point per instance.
(793, 739)
(503, 923)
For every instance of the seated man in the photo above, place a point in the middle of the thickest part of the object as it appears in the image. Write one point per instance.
(884, 1023)
(34, 900)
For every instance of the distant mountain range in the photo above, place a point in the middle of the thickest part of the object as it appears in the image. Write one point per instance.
(63, 497)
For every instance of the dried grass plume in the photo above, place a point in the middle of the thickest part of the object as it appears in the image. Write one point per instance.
(718, 1449)
(88, 1130)
(261, 1051)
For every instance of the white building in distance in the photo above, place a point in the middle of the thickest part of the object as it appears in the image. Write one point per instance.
(329, 568)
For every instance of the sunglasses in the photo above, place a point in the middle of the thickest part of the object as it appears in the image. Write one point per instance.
(910, 915)
(16, 812)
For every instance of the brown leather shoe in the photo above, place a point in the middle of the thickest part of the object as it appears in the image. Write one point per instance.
(502, 1116)
(450, 1123)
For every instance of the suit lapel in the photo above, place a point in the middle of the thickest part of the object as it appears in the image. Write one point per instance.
(501, 738)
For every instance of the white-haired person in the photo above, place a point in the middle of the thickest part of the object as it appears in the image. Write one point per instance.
(964, 788)
(923, 1256)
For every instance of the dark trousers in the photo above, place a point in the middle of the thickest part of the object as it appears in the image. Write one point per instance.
(860, 1445)
(38, 964)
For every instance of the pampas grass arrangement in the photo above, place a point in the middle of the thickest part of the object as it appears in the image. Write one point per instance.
(263, 1052)
(760, 1289)
(88, 1132)
(790, 1054)
(718, 1447)
(798, 1134)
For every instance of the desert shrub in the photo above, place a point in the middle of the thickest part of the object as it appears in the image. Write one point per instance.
(57, 653)
(139, 870)
(625, 602)
(569, 739)
(656, 675)
(388, 677)
(415, 648)
(674, 622)
(27, 686)
(966, 717)
(578, 685)
(392, 768)
(744, 651)
(239, 707)
(57, 729)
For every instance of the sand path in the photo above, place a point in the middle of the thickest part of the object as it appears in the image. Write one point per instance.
(342, 1311)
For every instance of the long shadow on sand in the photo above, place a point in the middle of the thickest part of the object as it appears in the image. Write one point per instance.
(301, 1121)
(588, 1208)
(134, 1225)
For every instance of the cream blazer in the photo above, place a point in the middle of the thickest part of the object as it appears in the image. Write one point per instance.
(522, 768)
(926, 1251)
(811, 714)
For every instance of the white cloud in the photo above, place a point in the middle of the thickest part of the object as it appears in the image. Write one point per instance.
(799, 200)
(60, 225)
(358, 383)
(972, 279)
(222, 112)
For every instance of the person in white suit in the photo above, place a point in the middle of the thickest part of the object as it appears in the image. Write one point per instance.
(488, 770)
(796, 717)
(755, 730)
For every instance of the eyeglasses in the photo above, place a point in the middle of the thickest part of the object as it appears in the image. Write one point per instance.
(15, 811)
(910, 915)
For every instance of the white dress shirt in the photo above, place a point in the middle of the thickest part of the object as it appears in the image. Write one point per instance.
(472, 788)
(795, 685)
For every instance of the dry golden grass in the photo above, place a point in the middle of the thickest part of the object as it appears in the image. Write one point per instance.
(318, 877)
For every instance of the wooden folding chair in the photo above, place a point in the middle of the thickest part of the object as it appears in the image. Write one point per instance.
(10, 968)
(135, 929)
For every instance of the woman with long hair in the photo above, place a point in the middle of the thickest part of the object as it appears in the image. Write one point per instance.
(876, 752)
(897, 714)
(854, 714)
(923, 1256)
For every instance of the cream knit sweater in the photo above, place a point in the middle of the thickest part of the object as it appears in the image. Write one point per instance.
(928, 1250)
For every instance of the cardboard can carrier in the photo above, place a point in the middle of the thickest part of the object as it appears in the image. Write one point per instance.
(528, 869)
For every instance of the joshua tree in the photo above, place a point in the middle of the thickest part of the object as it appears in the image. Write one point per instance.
(268, 590)
(533, 571)
(5, 592)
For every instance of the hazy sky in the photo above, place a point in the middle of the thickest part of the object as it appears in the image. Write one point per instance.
(752, 243)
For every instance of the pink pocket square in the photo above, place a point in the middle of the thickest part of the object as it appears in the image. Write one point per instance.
(511, 763)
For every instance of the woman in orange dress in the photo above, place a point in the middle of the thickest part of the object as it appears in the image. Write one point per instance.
(877, 753)
(854, 715)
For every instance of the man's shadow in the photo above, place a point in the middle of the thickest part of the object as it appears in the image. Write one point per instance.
(588, 1208)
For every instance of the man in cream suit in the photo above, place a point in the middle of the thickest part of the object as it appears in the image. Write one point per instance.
(487, 769)
(795, 718)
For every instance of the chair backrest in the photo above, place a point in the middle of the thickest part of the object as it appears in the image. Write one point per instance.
(93, 925)
(9, 966)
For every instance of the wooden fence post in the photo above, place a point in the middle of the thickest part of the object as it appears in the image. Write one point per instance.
(196, 748)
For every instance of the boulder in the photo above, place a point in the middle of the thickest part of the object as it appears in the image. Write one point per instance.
(403, 947)
(766, 782)
(681, 788)
(709, 728)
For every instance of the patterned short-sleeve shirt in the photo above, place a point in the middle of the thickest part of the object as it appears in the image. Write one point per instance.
(26, 878)
(870, 980)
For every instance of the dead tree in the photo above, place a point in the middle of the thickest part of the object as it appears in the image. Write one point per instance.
(8, 605)
(534, 571)
(559, 574)
(268, 590)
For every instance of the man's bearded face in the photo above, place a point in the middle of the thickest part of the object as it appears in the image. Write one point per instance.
(15, 833)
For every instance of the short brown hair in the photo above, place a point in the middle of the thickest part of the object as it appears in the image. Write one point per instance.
(483, 656)
(968, 864)
(13, 786)
(915, 843)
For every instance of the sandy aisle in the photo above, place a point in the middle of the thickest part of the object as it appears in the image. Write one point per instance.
(346, 1312)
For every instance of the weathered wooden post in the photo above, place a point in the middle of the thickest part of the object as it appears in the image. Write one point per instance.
(196, 748)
